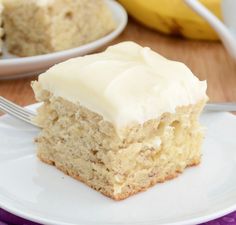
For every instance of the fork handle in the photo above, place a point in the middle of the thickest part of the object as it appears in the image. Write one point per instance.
(221, 107)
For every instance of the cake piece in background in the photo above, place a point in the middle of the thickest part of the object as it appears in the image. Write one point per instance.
(1, 28)
(121, 120)
(36, 27)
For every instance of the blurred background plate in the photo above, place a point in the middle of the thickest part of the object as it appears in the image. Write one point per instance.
(15, 67)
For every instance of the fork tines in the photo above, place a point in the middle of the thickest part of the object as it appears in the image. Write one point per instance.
(16, 110)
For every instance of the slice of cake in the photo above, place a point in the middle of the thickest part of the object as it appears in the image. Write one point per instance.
(42, 26)
(1, 28)
(121, 120)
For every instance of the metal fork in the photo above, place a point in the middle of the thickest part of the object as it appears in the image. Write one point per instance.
(27, 115)
(17, 111)
(221, 106)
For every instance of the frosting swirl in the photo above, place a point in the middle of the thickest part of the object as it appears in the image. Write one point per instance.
(126, 83)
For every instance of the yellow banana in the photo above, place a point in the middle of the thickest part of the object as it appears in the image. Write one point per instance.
(173, 17)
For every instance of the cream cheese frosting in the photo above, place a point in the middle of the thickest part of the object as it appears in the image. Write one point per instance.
(126, 83)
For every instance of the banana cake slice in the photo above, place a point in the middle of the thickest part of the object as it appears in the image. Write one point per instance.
(121, 120)
(36, 27)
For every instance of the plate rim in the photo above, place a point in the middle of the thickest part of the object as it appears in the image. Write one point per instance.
(193, 221)
(86, 47)
(34, 218)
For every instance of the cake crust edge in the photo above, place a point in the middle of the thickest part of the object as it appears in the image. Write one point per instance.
(121, 196)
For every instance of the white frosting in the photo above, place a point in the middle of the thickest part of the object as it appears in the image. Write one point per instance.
(126, 83)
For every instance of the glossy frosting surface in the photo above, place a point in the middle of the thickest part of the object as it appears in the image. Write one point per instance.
(126, 83)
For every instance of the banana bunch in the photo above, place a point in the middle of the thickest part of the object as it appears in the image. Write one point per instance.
(173, 17)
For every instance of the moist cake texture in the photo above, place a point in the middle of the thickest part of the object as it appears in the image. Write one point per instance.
(121, 120)
(1, 28)
(42, 26)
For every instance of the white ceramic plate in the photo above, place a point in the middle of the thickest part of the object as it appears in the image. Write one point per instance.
(39, 192)
(15, 67)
